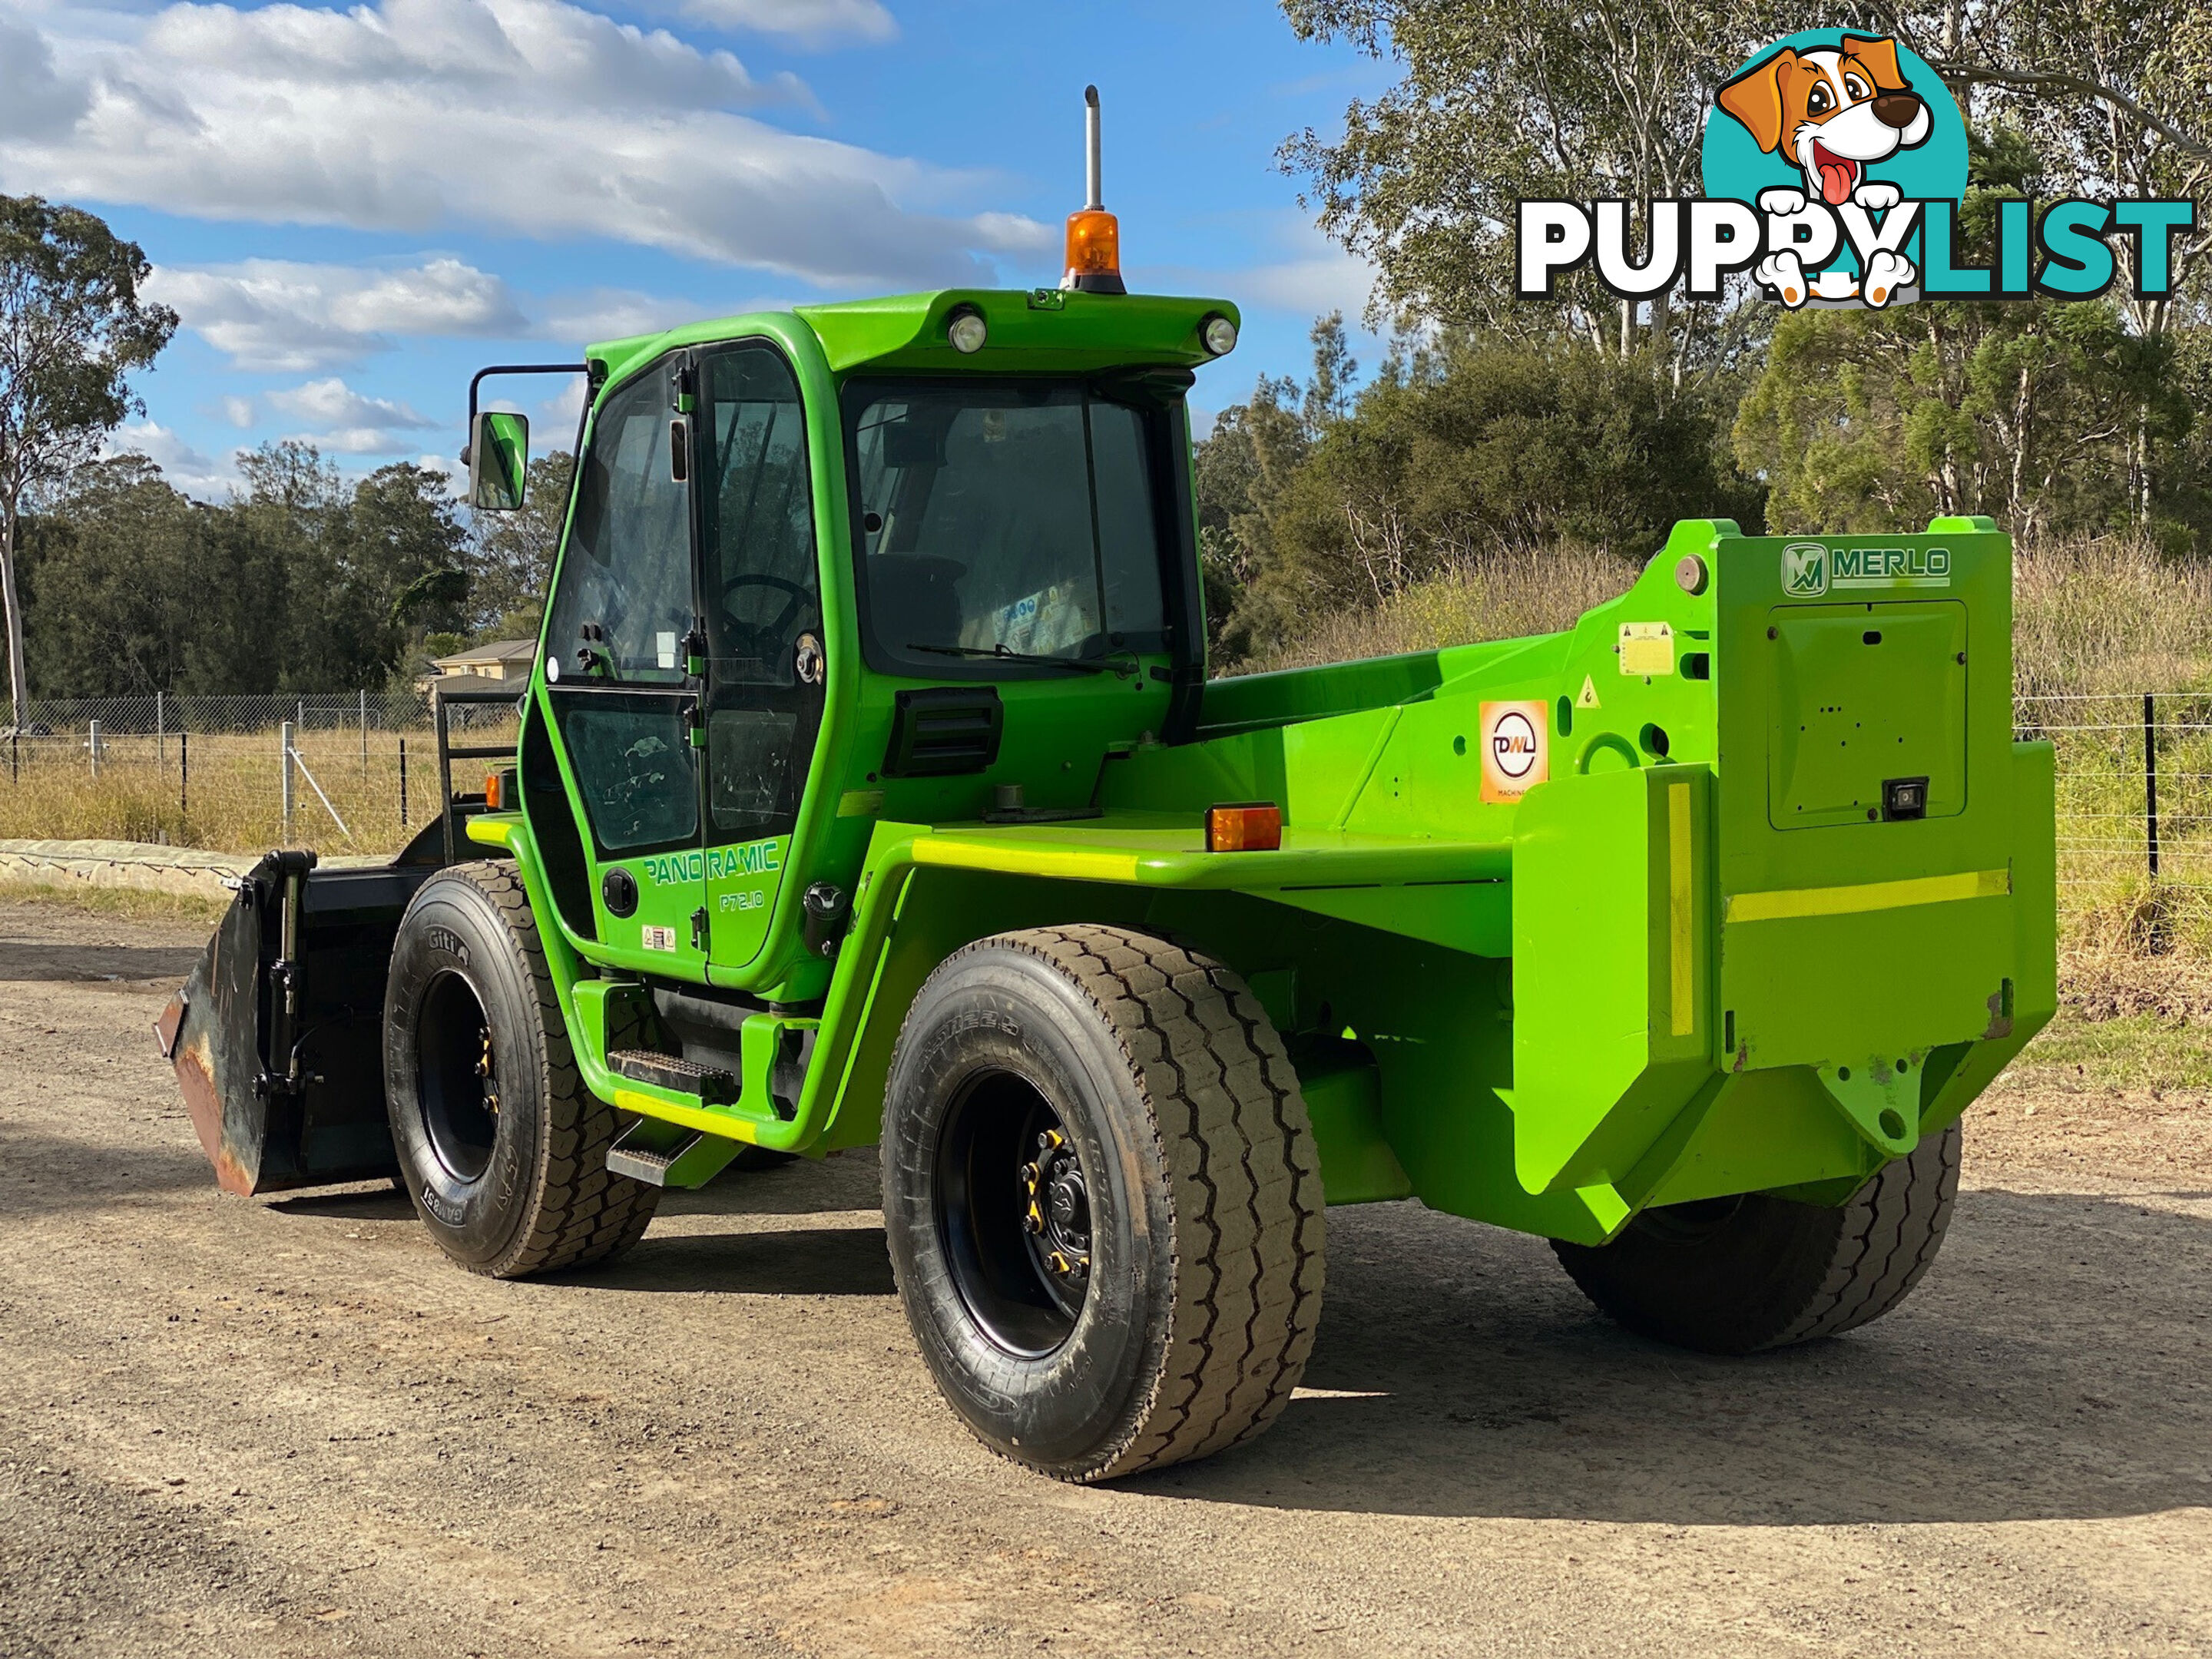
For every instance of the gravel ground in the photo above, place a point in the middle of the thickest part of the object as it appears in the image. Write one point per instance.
(286, 1427)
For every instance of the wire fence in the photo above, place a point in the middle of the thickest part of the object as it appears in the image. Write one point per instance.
(2134, 812)
(355, 772)
(342, 773)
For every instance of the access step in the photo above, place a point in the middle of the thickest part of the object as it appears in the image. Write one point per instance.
(666, 1155)
(713, 1085)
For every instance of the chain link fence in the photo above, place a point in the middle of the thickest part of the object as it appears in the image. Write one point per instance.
(340, 773)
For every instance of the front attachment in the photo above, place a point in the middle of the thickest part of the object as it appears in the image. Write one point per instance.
(278, 1036)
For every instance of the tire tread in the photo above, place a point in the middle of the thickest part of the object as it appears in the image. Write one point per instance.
(582, 1214)
(1248, 1222)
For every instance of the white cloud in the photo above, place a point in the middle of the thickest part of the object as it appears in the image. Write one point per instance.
(184, 467)
(374, 441)
(239, 411)
(286, 317)
(1296, 269)
(35, 101)
(332, 403)
(347, 422)
(813, 21)
(610, 313)
(534, 117)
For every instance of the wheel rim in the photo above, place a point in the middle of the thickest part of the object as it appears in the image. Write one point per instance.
(1693, 1223)
(1013, 1212)
(456, 1080)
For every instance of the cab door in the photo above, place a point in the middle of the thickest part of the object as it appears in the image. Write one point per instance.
(760, 597)
(620, 644)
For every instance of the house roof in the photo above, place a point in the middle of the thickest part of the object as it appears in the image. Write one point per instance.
(495, 651)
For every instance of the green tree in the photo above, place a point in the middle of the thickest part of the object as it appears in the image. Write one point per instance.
(2046, 415)
(72, 330)
(115, 571)
(1480, 445)
(1505, 99)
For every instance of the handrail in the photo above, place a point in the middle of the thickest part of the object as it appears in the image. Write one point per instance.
(440, 698)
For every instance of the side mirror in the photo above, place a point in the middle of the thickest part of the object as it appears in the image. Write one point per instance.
(498, 461)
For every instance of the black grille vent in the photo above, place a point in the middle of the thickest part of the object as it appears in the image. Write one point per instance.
(945, 731)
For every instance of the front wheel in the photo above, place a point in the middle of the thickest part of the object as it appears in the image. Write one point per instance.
(502, 1148)
(1736, 1275)
(1104, 1200)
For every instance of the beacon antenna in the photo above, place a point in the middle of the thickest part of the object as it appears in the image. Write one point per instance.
(1094, 237)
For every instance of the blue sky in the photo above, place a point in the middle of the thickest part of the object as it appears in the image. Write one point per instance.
(354, 208)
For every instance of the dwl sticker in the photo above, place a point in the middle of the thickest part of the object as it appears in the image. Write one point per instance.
(1515, 751)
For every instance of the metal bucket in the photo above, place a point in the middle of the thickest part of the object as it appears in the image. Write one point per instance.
(277, 1037)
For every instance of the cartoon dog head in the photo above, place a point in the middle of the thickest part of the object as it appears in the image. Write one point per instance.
(1831, 110)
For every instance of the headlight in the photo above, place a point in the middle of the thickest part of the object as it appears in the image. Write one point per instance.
(1219, 335)
(966, 331)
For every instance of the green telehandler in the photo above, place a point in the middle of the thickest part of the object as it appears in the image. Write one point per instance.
(869, 789)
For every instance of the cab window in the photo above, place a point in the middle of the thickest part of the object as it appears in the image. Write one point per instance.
(1003, 520)
(623, 602)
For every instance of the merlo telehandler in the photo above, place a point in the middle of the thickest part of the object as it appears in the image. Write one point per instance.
(870, 788)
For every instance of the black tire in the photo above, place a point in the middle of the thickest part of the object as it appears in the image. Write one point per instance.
(1185, 1179)
(1737, 1275)
(500, 1145)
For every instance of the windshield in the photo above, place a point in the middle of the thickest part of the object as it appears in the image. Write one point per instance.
(1003, 520)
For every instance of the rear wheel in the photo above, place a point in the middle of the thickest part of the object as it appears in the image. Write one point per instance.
(1736, 1275)
(500, 1145)
(1104, 1200)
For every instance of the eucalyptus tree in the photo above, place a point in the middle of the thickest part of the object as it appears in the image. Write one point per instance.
(72, 330)
(1502, 101)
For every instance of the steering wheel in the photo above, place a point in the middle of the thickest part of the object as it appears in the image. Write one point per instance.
(770, 635)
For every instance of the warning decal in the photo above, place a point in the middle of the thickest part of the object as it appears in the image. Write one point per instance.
(1516, 748)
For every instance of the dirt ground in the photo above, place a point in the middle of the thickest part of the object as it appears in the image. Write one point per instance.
(250, 1427)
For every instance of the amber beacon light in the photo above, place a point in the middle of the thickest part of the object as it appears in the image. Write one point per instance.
(1094, 238)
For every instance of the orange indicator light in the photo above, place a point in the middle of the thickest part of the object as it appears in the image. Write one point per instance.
(1252, 826)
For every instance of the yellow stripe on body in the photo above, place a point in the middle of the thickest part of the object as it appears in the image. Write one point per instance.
(1785, 904)
(1013, 857)
(1682, 992)
(705, 1119)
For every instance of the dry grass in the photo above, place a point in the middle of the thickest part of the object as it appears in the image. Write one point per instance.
(124, 904)
(2108, 614)
(2096, 623)
(230, 799)
(1496, 596)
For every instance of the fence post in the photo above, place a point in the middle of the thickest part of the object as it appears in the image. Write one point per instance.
(286, 732)
(2150, 816)
(364, 738)
(184, 773)
(161, 730)
(2150, 780)
(92, 743)
(403, 782)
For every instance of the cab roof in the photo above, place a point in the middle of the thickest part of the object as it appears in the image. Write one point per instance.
(1027, 330)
